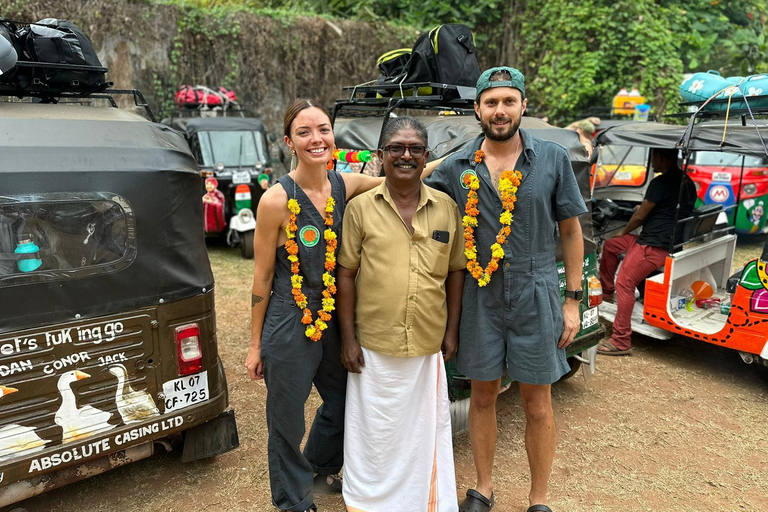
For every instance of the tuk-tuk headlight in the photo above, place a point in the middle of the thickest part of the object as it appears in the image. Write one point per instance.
(246, 215)
(220, 166)
(749, 190)
(259, 166)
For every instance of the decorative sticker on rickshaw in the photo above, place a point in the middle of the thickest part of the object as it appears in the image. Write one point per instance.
(88, 356)
(309, 236)
(756, 214)
(719, 193)
(461, 178)
(755, 278)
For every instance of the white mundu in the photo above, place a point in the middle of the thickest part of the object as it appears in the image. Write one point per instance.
(398, 451)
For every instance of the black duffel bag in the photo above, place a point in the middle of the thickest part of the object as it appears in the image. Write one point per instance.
(446, 54)
(54, 41)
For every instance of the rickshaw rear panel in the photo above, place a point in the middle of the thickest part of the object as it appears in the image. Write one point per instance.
(108, 333)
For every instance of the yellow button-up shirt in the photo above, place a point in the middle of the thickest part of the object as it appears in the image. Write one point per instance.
(401, 307)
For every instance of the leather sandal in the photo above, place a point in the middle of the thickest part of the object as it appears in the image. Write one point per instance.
(539, 508)
(476, 502)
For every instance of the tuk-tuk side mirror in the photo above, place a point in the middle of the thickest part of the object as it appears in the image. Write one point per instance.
(8, 56)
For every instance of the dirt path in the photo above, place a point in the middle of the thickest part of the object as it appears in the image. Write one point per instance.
(680, 425)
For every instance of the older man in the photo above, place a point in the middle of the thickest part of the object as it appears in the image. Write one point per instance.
(400, 282)
(512, 318)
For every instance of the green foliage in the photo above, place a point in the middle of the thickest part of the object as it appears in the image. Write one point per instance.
(727, 36)
(575, 55)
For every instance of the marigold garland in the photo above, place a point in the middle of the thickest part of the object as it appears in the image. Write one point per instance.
(508, 184)
(315, 328)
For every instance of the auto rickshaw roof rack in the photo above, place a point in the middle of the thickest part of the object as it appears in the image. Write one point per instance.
(380, 100)
(68, 93)
(203, 111)
(422, 95)
(692, 109)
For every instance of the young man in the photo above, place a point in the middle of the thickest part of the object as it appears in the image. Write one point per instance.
(647, 252)
(512, 318)
(400, 280)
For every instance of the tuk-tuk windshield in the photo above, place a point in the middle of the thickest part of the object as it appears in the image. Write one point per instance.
(621, 166)
(232, 148)
(718, 159)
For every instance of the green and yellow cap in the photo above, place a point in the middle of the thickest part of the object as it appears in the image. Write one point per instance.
(484, 82)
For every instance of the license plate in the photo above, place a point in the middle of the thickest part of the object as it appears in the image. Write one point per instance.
(241, 177)
(589, 318)
(721, 176)
(623, 176)
(185, 391)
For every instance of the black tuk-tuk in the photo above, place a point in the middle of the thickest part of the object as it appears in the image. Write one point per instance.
(450, 121)
(108, 328)
(233, 150)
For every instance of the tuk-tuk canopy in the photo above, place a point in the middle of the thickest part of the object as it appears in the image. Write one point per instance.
(111, 201)
(224, 124)
(706, 136)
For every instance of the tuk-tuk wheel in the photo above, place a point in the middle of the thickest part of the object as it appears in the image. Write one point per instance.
(246, 244)
(575, 365)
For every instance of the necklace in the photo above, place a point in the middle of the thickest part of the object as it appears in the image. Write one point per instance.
(508, 183)
(315, 328)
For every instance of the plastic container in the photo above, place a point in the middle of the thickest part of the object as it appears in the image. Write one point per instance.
(641, 112)
(708, 303)
(28, 247)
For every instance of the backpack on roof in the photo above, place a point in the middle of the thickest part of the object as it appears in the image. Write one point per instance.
(446, 54)
(394, 63)
(54, 41)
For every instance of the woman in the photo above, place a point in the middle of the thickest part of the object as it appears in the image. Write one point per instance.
(295, 339)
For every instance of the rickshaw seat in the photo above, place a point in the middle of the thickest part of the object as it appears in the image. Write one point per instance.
(701, 221)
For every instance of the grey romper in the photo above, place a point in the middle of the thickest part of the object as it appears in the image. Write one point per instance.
(515, 322)
(292, 362)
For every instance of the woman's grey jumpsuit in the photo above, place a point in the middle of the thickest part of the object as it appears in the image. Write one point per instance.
(292, 362)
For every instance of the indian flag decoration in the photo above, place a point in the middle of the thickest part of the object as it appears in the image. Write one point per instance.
(242, 197)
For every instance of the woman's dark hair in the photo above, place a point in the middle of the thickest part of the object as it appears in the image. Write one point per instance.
(396, 124)
(297, 106)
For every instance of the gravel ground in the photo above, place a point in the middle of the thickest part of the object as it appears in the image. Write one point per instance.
(680, 425)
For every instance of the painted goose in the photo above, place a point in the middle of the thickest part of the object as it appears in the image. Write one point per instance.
(17, 440)
(78, 423)
(132, 405)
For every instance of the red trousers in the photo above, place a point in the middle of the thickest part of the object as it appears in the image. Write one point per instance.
(638, 264)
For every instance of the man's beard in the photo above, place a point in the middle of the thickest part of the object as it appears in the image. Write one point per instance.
(510, 132)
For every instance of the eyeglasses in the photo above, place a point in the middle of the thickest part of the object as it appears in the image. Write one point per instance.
(398, 150)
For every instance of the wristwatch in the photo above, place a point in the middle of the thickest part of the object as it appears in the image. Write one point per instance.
(574, 294)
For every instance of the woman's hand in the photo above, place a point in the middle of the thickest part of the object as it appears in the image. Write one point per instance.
(254, 364)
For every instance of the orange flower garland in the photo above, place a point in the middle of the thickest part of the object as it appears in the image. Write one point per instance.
(315, 328)
(508, 184)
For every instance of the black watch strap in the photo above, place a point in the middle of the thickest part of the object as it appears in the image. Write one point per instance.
(574, 294)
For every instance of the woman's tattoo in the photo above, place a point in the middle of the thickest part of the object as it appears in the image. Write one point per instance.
(255, 299)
